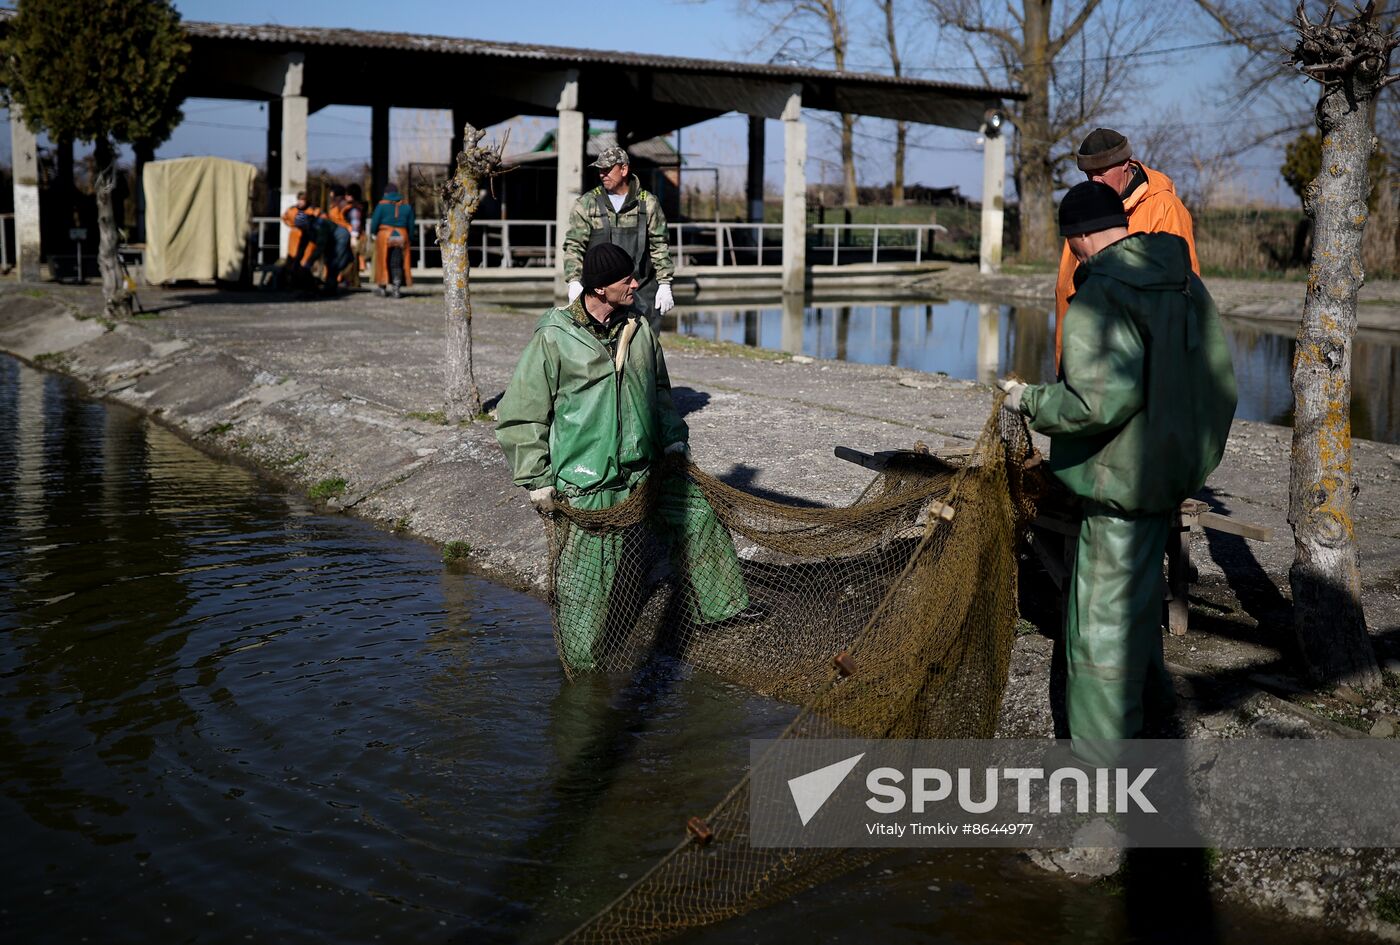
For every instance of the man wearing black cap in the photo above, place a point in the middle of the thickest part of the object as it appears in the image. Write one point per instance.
(619, 211)
(588, 413)
(1149, 200)
(1137, 422)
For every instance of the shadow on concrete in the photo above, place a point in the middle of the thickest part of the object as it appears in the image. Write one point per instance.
(742, 476)
(1258, 595)
(687, 400)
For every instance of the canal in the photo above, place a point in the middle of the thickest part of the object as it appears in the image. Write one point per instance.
(982, 342)
(228, 717)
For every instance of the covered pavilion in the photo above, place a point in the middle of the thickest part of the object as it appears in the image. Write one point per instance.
(299, 70)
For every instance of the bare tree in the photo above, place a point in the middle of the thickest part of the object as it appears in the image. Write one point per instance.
(460, 197)
(1203, 164)
(789, 20)
(1351, 60)
(1067, 86)
(901, 127)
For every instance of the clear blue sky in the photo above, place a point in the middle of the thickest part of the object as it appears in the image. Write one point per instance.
(339, 136)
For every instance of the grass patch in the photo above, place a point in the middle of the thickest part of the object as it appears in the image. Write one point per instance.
(436, 417)
(1387, 906)
(50, 359)
(327, 488)
(36, 293)
(218, 429)
(456, 551)
(146, 316)
(727, 348)
(291, 460)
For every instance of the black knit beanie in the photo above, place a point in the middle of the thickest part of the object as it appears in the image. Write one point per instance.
(605, 264)
(1103, 147)
(1090, 207)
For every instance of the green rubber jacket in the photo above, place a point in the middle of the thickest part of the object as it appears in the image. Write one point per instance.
(569, 419)
(1140, 416)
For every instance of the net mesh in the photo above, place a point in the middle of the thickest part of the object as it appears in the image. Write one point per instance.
(892, 617)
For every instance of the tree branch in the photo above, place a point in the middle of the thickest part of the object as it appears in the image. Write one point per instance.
(1072, 30)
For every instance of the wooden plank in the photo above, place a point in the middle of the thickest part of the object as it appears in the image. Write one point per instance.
(1223, 523)
(1178, 577)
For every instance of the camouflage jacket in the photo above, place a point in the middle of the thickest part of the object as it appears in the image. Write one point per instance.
(587, 218)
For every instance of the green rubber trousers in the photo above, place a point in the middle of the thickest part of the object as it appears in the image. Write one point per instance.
(1113, 630)
(700, 550)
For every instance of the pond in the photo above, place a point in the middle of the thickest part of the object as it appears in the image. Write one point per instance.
(228, 717)
(980, 341)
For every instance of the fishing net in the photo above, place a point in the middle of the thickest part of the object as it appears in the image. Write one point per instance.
(892, 617)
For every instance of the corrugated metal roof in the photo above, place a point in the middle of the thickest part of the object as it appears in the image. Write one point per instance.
(657, 151)
(292, 36)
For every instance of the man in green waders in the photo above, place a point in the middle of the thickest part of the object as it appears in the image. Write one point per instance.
(588, 414)
(619, 211)
(1137, 421)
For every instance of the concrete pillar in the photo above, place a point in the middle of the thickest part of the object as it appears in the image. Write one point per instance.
(273, 177)
(794, 196)
(755, 182)
(24, 153)
(993, 199)
(793, 323)
(294, 112)
(988, 341)
(379, 151)
(569, 142)
(459, 121)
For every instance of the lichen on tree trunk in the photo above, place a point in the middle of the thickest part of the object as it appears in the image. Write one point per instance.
(461, 197)
(1351, 60)
(116, 298)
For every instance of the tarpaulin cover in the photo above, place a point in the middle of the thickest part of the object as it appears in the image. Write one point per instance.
(198, 211)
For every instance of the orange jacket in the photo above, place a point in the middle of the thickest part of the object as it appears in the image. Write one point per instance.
(1152, 208)
(289, 217)
(337, 215)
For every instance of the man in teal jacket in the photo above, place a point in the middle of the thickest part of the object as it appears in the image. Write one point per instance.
(1137, 421)
(588, 413)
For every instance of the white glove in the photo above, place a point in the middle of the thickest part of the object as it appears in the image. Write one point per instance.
(681, 447)
(575, 290)
(664, 300)
(1014, 390)
(543, 499)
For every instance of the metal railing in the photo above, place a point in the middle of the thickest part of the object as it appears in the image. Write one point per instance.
(901, 237)
(507, 244)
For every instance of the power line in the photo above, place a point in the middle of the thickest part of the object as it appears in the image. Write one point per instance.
(1063, 61)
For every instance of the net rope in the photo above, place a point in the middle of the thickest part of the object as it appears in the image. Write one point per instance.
(892, 617)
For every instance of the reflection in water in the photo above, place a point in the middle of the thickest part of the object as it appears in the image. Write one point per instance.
(224, 718)
(982, 342)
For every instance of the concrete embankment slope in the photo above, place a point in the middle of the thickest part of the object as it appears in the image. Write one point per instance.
(317, 391)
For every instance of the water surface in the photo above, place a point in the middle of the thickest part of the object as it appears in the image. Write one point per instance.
(983, 342)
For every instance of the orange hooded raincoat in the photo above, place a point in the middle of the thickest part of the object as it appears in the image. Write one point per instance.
(1153, 208)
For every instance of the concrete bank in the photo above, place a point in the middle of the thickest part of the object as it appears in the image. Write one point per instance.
(317, 393)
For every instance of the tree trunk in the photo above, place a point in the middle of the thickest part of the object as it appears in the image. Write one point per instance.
(1035, 176)
(114, 294)
(461, 196)
(848, 159)
(463, 395)
(1326, 574)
